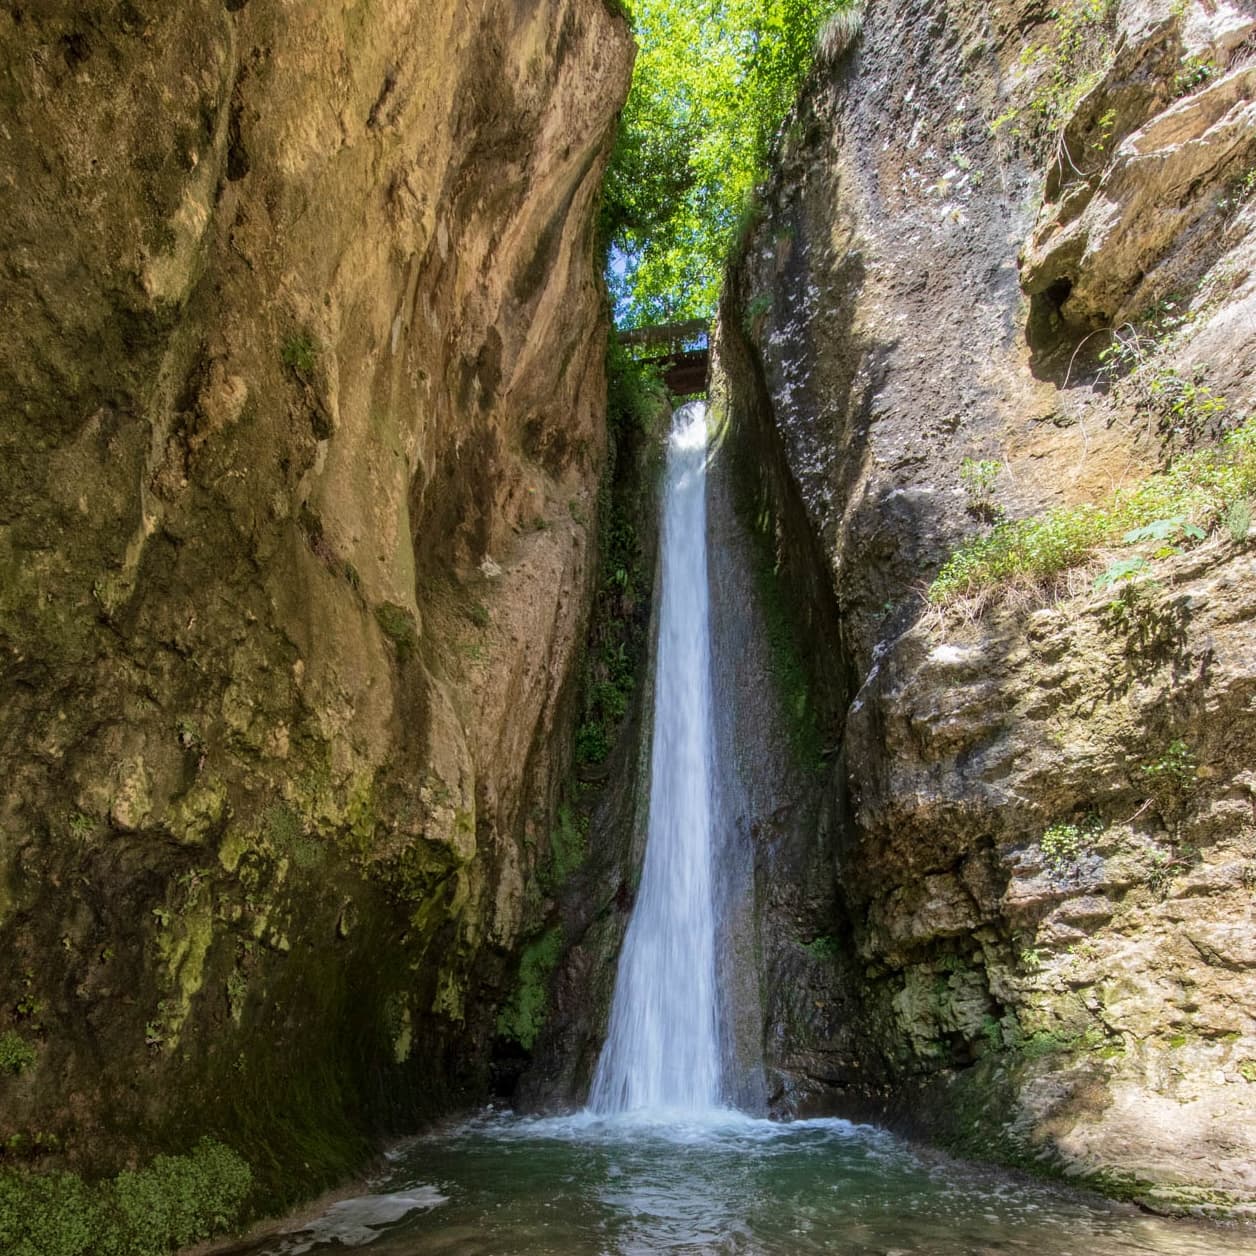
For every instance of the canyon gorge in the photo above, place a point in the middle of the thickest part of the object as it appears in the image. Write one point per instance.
(331, 571)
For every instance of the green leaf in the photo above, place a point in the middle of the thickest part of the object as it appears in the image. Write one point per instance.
(1118, 571)
(1159, 530)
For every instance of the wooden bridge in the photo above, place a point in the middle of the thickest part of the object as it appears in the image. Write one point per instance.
(679, 350)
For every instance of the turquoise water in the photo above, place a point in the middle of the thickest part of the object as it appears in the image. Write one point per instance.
(581, 1186)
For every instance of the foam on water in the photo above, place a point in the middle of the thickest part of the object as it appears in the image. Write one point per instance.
(710, 1127)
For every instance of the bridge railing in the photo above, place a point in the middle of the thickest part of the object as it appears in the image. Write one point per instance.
(667, 340)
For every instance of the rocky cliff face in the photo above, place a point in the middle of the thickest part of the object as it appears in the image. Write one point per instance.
(302, 393)
(1006, 263)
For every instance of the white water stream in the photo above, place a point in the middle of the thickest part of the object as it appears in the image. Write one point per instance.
(662, 1051)
(656, 1164)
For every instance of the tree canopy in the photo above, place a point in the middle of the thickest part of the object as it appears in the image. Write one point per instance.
(713, 83)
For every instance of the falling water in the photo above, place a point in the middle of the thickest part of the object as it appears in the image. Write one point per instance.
(686, 1175)
(662, 1051)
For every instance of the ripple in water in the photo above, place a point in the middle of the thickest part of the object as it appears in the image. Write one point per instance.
(629, 1185)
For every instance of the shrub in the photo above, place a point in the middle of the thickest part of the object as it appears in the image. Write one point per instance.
(593, 744)
(1170, 779)
(978, 477)
(1070, 67)
(173, 1201)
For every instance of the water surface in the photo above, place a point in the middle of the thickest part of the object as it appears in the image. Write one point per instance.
(725, 1183)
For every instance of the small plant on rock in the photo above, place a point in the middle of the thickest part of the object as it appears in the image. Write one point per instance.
(1064, 844)
(992, 1030)
(1170, 779)
(16, 1054)
(978, 477)
(1103, 130)
(299, 353)
(1161, 872)
(1180, 401)
(1195, 72)
(1122, 569)
(81, 826)
(756, 309)
(1238, 193)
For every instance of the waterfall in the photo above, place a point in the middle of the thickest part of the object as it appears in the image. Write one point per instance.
(662, 1050)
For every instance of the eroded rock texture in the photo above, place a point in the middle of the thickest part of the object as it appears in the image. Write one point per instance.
(967, 205)
(302, 393)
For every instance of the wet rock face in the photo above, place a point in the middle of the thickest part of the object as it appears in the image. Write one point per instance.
(1039, 814)
(303, 396)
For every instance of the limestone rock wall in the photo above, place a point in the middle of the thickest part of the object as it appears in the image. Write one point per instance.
(301, 378)
(967, 206)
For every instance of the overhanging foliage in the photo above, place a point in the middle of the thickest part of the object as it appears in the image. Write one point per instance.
(714, 81)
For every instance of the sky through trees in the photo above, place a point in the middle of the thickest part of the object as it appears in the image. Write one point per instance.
(714, 81)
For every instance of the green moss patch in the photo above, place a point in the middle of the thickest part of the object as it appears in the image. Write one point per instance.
(524, 1012)
(398, 626)
(569, 846)
(299, 353)
(826, 949)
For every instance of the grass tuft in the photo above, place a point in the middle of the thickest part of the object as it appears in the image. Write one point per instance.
(1197, 496)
